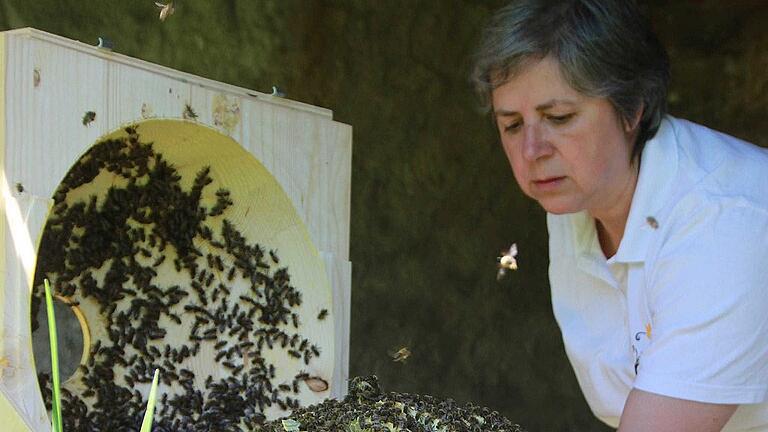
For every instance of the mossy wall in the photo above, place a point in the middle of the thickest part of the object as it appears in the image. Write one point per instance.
(433, 199)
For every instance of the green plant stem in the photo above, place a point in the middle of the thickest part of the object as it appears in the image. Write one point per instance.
(146, 425)
(56, 401)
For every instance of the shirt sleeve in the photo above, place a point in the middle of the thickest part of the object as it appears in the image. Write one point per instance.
(708, 299)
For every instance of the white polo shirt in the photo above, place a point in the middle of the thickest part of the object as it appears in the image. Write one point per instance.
(682, 308)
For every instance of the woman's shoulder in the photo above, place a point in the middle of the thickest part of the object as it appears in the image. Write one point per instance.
(715, 168)
(718, 164)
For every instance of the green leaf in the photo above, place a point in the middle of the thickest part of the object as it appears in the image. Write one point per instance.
(56, 401)
(290, 425)
(146, 425)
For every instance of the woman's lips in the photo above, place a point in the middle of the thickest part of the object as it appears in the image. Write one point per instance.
(549, 183)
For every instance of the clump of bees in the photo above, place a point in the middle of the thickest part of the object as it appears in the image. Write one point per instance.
(106, 253)
(366, 408)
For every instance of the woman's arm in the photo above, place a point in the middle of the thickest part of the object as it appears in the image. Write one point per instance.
(649, 412)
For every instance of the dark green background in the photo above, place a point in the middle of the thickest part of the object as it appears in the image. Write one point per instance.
(433, 199)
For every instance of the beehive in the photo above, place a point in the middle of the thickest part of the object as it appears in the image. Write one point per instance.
(286, 165)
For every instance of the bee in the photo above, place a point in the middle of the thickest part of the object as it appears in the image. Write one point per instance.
(507, 261)
(166, 10)
(189, 113)
(652, 222)
(19, 187)
(400, 355)
(274, 257)
(88, 117)
(323, 313)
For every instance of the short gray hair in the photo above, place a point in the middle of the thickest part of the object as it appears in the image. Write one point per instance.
(605, 48)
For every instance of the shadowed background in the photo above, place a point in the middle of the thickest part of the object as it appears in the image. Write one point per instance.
(433, 198)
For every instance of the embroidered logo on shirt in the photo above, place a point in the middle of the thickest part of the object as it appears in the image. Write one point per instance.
(642, 339)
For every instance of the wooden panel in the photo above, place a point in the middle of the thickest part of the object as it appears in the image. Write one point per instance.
(45, 130)
(311, 158)
(159, 97)
(340, 272)
(3, 193)
(25, 217)
(12, 422)
(219, 110)
(48, 83)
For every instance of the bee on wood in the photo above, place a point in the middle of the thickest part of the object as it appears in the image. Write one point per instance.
(88, 117)
(189, 113)
(19, 187)
(323, 313)
(274, 256)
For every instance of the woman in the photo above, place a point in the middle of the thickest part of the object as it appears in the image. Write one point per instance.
(658, 227)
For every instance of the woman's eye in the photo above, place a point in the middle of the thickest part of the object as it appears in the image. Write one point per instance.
(512, 127)
(560, 119)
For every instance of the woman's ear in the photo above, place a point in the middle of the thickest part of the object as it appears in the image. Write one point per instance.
(630, 126)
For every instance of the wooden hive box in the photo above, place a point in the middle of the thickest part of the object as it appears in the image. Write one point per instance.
(286, 164)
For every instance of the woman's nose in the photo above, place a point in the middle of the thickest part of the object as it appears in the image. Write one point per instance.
(535, 144)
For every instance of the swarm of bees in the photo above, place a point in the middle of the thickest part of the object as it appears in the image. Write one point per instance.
(507, 261)
(105, 253)
(367, 408)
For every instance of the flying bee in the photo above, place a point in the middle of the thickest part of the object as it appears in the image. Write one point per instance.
(507, 261)
(88, 117)
(166, 10)
(401, 355)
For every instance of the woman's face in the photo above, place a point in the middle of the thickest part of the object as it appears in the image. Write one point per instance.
(568, 151)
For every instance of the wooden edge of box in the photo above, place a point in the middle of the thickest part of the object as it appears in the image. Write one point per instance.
(166, 71)
(340, 275)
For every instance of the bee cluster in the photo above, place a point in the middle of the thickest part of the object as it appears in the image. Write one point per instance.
(107, 253)
(367, 409)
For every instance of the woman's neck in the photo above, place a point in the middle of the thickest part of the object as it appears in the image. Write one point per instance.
(610, 222)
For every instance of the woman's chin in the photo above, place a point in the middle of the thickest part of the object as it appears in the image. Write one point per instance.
(558, 206)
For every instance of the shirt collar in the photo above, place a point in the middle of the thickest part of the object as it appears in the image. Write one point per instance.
(654, 187)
